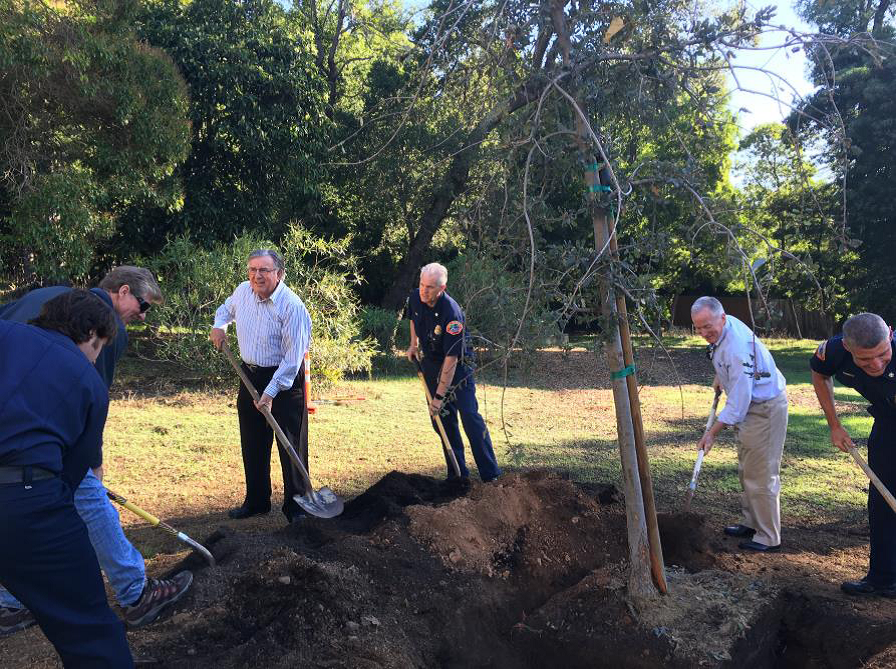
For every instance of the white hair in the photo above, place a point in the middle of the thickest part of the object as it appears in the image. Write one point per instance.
(707, 302)
(436, 270)
(865, 331)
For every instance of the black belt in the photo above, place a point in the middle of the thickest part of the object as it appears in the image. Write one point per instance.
(257, 368)
(19, 474)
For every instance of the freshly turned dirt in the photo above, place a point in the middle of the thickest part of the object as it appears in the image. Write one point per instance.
(528, 571)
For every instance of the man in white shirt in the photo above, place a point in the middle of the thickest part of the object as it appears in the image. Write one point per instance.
(273, 330)
(756, 405)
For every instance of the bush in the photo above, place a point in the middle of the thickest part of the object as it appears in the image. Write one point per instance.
(380, 325)
(196, 281)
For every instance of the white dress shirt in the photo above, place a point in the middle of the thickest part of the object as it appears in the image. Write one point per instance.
(274, 332)
(732, 358)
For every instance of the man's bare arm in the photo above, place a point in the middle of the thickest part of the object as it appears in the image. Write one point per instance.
(824, 391)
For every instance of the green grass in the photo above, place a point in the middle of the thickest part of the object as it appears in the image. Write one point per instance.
(176, 451)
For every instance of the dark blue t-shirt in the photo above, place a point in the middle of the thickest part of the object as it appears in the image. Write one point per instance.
(832, 359)
(53, 403)
(441, 329)
(29, 305)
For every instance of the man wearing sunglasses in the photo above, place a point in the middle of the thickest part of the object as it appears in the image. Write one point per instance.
(129, 292)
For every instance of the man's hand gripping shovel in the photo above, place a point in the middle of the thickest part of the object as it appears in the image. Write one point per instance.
(692, 486)
(322, 503)
(438, 419)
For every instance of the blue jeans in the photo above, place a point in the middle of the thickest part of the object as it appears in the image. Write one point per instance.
(120, 561)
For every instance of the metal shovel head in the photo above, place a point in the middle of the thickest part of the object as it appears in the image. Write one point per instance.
(322, 503)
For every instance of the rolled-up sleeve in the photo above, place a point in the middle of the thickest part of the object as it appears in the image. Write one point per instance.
(296, 337)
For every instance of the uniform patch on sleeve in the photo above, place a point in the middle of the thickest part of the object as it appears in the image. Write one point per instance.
(819, 352)
(454, 328)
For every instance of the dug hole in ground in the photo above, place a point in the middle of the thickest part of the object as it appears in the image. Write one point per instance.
(529, 571)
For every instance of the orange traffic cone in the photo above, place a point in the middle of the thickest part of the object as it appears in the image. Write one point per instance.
(311, 407)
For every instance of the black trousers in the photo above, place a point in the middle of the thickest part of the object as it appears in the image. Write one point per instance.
(290, 410)
(48, 563)
(881, 519)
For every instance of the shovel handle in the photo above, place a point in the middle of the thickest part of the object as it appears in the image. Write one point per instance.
(152, 520)
(881, 488)
(446, 445)
(281, 435)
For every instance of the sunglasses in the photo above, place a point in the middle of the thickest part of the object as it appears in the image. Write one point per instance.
(144, 305)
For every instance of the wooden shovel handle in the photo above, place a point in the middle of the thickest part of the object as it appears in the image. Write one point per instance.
(438, 419)
(881, 488)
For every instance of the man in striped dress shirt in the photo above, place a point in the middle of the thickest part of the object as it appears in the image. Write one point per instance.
(273, 330)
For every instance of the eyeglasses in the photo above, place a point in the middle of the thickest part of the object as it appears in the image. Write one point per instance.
(144, 305)
(264, 271)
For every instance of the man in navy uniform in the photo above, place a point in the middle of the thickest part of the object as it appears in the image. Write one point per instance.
(53, 408)
(128, 292)
(439, 336)
(862, 358)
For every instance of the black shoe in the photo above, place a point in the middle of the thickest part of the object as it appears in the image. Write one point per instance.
(739, 531)
(863, 587)
(756, 546)
(241, 512)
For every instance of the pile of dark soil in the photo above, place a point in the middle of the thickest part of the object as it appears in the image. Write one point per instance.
(529, 571)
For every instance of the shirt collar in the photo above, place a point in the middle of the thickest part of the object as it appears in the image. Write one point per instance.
(273, 296)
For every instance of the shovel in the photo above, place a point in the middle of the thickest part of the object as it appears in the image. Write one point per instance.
(445, 443)
(881, 488)
(322, 503)
(146, 515)
(692, 486)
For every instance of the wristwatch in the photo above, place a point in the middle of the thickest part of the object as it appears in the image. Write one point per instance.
(439, 397)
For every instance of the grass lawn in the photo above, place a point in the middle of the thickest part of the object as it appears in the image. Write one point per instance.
(175, 451)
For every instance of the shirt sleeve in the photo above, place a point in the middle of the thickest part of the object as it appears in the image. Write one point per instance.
(87, 451)
(739, 392)
(296, 337)
(226, 313)
(827, 357)
(453, 337)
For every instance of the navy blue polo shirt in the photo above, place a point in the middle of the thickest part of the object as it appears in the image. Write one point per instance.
(441, 329)
(29, 305)
(53, 403)
(832, 359)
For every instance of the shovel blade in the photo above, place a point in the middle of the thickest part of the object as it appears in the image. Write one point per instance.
(323, 503)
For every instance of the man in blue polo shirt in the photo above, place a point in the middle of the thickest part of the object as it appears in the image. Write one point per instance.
(862, 358)
(439, 336)
(129, 292)
(53, 408)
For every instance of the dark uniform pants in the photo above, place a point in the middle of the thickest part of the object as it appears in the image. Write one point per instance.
(462, 396)
(291, 413)
(48, 563)
(881, 518)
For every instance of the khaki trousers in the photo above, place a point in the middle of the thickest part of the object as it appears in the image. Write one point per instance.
(760, 445)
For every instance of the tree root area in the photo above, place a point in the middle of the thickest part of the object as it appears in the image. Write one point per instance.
(528, 571)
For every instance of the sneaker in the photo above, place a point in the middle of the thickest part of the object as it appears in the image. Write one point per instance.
(14, 620)
(158, 594)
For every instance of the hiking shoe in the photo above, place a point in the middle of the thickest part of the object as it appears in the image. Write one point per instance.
(14, 620)
(158, 594)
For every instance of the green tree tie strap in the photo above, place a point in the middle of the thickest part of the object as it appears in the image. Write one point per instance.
(594, 188)
(622, 373)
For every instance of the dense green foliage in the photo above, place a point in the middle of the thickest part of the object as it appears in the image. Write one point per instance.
(91, 121)
(184, 133)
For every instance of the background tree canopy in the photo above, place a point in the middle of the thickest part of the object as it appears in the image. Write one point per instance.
(141, 128)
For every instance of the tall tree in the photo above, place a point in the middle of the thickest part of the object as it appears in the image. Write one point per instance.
(258, 128)
(91, 120)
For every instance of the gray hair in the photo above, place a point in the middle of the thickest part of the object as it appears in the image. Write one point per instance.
(138, 279)
(707, 302)
(865, 331)
(439, 271)
(268, 253)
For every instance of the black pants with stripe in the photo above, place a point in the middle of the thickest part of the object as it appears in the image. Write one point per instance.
(290, 410)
